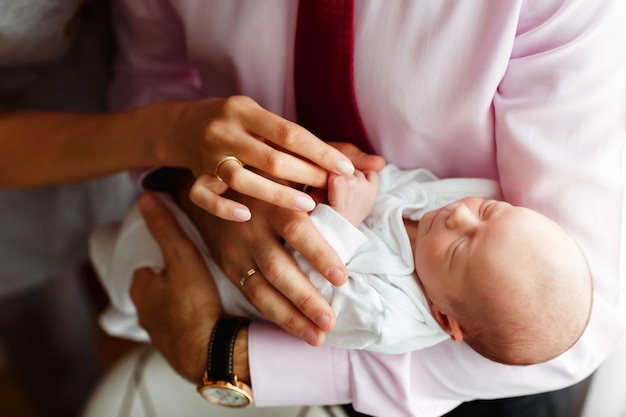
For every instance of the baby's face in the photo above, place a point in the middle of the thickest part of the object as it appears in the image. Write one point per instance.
(471, 239)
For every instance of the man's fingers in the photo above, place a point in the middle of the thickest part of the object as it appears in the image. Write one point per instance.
(276, 308)
(282, 273)
(162, 226)
(140, 285)
(278, 290)
(299, 231)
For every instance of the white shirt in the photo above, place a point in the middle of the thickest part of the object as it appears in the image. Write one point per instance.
(529, 93)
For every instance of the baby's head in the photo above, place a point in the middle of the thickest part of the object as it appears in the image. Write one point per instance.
(507, 280)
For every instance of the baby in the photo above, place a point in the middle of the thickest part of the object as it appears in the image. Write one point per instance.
(428, 260)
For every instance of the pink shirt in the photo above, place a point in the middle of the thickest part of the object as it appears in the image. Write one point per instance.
(528, 92)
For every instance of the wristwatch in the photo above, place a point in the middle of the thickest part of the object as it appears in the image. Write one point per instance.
(219, 383)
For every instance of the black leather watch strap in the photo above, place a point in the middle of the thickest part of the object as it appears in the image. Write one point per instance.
(221, 348)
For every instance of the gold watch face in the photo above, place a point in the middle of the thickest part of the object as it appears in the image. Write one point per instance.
(225, 394)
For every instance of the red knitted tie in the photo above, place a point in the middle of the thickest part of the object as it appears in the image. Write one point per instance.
(324, 87)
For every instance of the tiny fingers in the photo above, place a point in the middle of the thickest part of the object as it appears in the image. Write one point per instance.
(360, 159)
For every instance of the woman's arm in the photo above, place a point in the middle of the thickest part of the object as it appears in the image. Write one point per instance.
(44, 148)
(154, 66)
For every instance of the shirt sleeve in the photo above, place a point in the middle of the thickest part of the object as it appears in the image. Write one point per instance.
(560, 135)
(560, 128)
(152, 63)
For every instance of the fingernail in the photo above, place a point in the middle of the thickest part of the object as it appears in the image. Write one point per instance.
(305, 203)
(336, 276)
(241, 214)
(323, 321)
(310, 336)
(345, 167)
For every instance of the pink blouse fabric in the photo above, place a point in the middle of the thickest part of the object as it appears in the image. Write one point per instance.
(531, 93)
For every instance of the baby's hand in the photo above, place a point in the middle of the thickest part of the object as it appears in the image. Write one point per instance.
(353, 196)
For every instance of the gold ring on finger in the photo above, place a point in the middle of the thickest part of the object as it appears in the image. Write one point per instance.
(246, 276)
(224, 160)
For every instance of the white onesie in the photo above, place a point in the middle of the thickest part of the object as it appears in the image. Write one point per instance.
(380, 308)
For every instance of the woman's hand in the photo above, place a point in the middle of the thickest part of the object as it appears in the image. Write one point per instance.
(217, 138)
(278, 289)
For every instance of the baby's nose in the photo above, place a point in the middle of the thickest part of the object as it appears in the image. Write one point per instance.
(461, 217)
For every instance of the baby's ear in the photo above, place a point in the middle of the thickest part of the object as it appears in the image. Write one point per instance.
(449, 324)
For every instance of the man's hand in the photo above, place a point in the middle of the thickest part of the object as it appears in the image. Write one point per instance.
(279, 290)
(178, 307)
